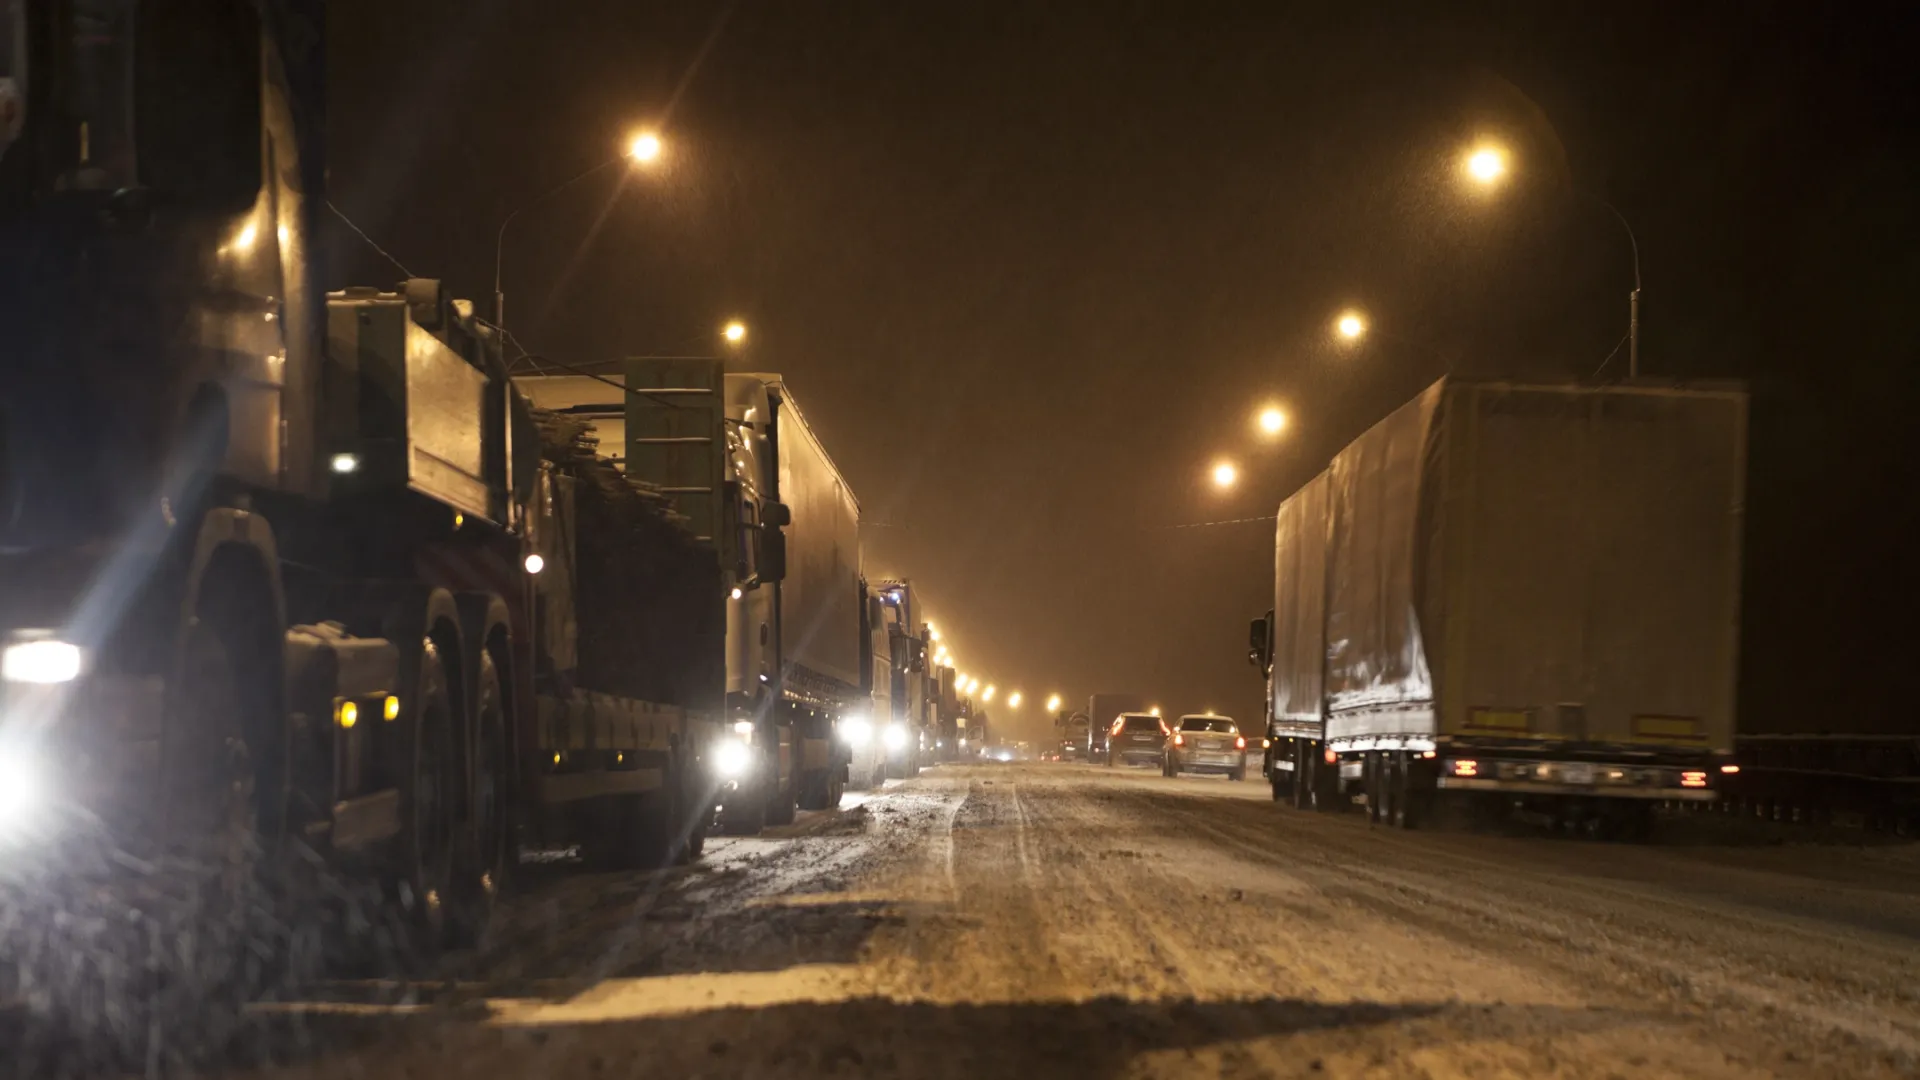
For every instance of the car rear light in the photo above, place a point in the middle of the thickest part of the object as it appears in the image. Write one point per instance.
(1177, 740)
(1729, 769)
(1332, 757)
(1240, 743)
(1693, 778)
(1466, 767)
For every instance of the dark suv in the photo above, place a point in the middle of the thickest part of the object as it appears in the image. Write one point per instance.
(1136, 738)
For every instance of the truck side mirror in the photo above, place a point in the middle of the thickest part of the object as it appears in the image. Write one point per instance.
(777, 515)
(773, 553)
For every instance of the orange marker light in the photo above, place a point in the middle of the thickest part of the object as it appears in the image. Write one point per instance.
(1466, 768)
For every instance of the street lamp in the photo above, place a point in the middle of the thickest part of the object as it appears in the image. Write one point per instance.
(1053, 703)
(642, 150)
(1155, 710)
(1350, 325)
(1485, 165)
(1272, 420)
(735, 333)
(1225, 475)
(987, 694)
(1013, 700)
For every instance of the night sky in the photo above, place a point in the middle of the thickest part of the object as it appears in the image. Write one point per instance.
(1029, 269)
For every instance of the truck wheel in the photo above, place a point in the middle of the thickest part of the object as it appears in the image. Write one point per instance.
(783, 801)
(486, 857)
(745, 812)
(427, 883)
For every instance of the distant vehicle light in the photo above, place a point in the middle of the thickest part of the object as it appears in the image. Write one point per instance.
(895, 737)
(731, 758)
(1240, 742)
(1729, 769)
(347, 714)
(743, 728)
(535, 563)
(737, 593)
(345, 463)
(856, 730)
(1693, 778)
(1179, 739)
(1266, 744)
(390, 709)
(1466, 767)
(45, 661)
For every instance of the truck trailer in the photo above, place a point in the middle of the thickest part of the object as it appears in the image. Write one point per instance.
(735, 455)
(1524, 595)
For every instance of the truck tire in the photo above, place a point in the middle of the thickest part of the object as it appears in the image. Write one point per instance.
(427, 870)
(486, 855)
(1375, 778)
(783, 801)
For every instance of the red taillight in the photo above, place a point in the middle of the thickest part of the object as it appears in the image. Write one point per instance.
(1729, 769)
(1177, 740)
(1240, 743)
(1693, 778)
(1466, 767)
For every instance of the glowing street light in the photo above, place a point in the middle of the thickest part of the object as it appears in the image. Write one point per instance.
(1272, 420)
(645, 148)
(1350, 325)
(973, 684)
(735, 332)
(1155, 710)
(987, 694)
(1053, 703)
(1225, 475)
(1485, 165)
(1013, 700)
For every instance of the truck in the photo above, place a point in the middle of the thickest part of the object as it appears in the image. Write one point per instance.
(737, 457)
(1525, 595)
(907, 729)
(301, 597)
(1104, 709)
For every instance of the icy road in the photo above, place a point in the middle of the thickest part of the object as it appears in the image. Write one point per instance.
(1030, 920)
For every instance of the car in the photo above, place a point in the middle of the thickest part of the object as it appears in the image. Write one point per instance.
(1137, 738)
(1206, 743)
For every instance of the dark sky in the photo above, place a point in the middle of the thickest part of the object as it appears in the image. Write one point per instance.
(1030, 267)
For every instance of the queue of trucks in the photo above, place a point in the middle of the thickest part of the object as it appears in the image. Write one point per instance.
(300, 577)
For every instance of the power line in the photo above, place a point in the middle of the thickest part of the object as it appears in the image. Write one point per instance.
(348, 222)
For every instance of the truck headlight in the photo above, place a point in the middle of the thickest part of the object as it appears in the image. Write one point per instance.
(20, 784)
(731, 758)
(857, 730)
(42, 661)
(896, 737)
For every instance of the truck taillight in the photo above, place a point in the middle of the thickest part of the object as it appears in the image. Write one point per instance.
(1693, 778)
(1729, 769)
(1466, 767)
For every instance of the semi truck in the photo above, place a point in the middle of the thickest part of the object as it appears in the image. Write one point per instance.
(1524, 595)
(736, 456)
(1105, 709)
(906, 730)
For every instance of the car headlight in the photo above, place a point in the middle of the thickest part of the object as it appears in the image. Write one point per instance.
(896, 737)
(731, 758)
(43, 661)
(856, 730)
